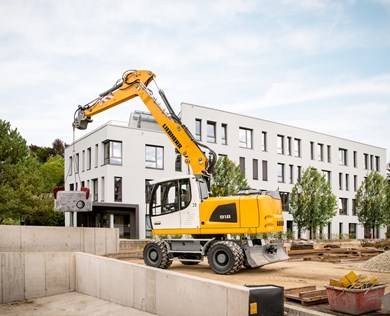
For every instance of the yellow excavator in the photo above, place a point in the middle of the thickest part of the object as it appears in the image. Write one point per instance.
(182, 205)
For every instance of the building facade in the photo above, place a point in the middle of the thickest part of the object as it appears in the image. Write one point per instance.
(117, 159)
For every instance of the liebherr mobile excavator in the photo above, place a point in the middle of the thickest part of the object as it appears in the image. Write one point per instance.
(182, 205)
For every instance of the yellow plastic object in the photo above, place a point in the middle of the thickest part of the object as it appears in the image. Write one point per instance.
(349, 279)
(336, 283)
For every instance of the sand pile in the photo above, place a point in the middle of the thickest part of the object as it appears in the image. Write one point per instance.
(380, 263)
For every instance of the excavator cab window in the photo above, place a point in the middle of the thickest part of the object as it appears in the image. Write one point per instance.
(170, 196)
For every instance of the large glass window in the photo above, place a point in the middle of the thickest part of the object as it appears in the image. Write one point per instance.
(242, 165)
(113, 153)
(211, 133)
(154, 157)
(284, 197)
(320, 152)
(95, 190)
(118, 189)
(245, 137)
(289, 144)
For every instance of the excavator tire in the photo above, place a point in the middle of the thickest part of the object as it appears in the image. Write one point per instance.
(225, 257)
(156, 255)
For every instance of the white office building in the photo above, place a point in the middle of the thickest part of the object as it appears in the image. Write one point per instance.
(117, 159)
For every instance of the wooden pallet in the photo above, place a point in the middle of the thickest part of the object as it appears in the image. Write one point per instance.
(307, 295)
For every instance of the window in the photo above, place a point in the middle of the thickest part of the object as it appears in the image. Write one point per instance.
(347, 181)
(289, 152)
(297, 147)
(326, 175)
(70, 165)
(291, 179)
(178, 161)
(242, 165)
(96, 155)
(355, 159)
(264, 141)
(342, 157)
(154, 157)
(284, 196)
(281, 172)
(211, 137)
(354, 207)
(171, 196)
(265, 170)
(112, 153)
(366, 161)
(377, 163)
(71, 187)
(83, 161)
(118, 189)
(372, 162)
(320, 152)
(245, 137)
(255, 169)
(299, 173)
(311, 150)
(280, 144)
(340, 181)
(224, 134)
(89, 159)
(343, 206)
(352, 231)
(102, 189)
(355, 183)
(198, 129)
(329, 153)
(76, 163)
(95, 188)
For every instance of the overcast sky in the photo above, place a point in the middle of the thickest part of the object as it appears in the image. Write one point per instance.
(317, 64)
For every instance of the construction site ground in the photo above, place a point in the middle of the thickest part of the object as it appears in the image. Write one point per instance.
(288, 274)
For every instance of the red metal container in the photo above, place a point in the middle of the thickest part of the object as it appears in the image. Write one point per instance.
(355, 301)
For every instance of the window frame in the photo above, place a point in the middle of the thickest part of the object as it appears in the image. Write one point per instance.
(155, 162)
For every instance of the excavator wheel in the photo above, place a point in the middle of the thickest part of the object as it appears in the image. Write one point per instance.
(156, 255)
(225, 257)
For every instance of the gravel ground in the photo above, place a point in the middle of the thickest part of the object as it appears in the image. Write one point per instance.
(380, 263)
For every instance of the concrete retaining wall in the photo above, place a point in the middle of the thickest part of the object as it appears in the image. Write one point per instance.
(157, 291)
(32, 275)
(29, 275)
(99, 241)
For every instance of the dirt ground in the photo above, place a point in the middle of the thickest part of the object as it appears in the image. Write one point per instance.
(289, 274)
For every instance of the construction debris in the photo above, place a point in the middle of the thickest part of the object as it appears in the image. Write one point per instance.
(380, 263)
(307, 295)
(302, 244)
(353, 281)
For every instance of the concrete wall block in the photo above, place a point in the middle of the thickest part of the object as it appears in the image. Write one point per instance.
(10, 238)
(237, 300)
(112, 240)
(87, 274)
(191, 296)
(88, 240)
(58, 271)
(34, 275)
(54, 239)
(12, 272)
(100, 241)
(144, 289)
(116, 281)
(72, 271)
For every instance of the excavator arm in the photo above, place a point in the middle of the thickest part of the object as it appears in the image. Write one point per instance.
(134, 84)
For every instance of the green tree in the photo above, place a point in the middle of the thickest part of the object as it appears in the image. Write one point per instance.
(59, 147)
(372, 202)
(312, 203)
(13, 147)
(53, 172)
(228, 178)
